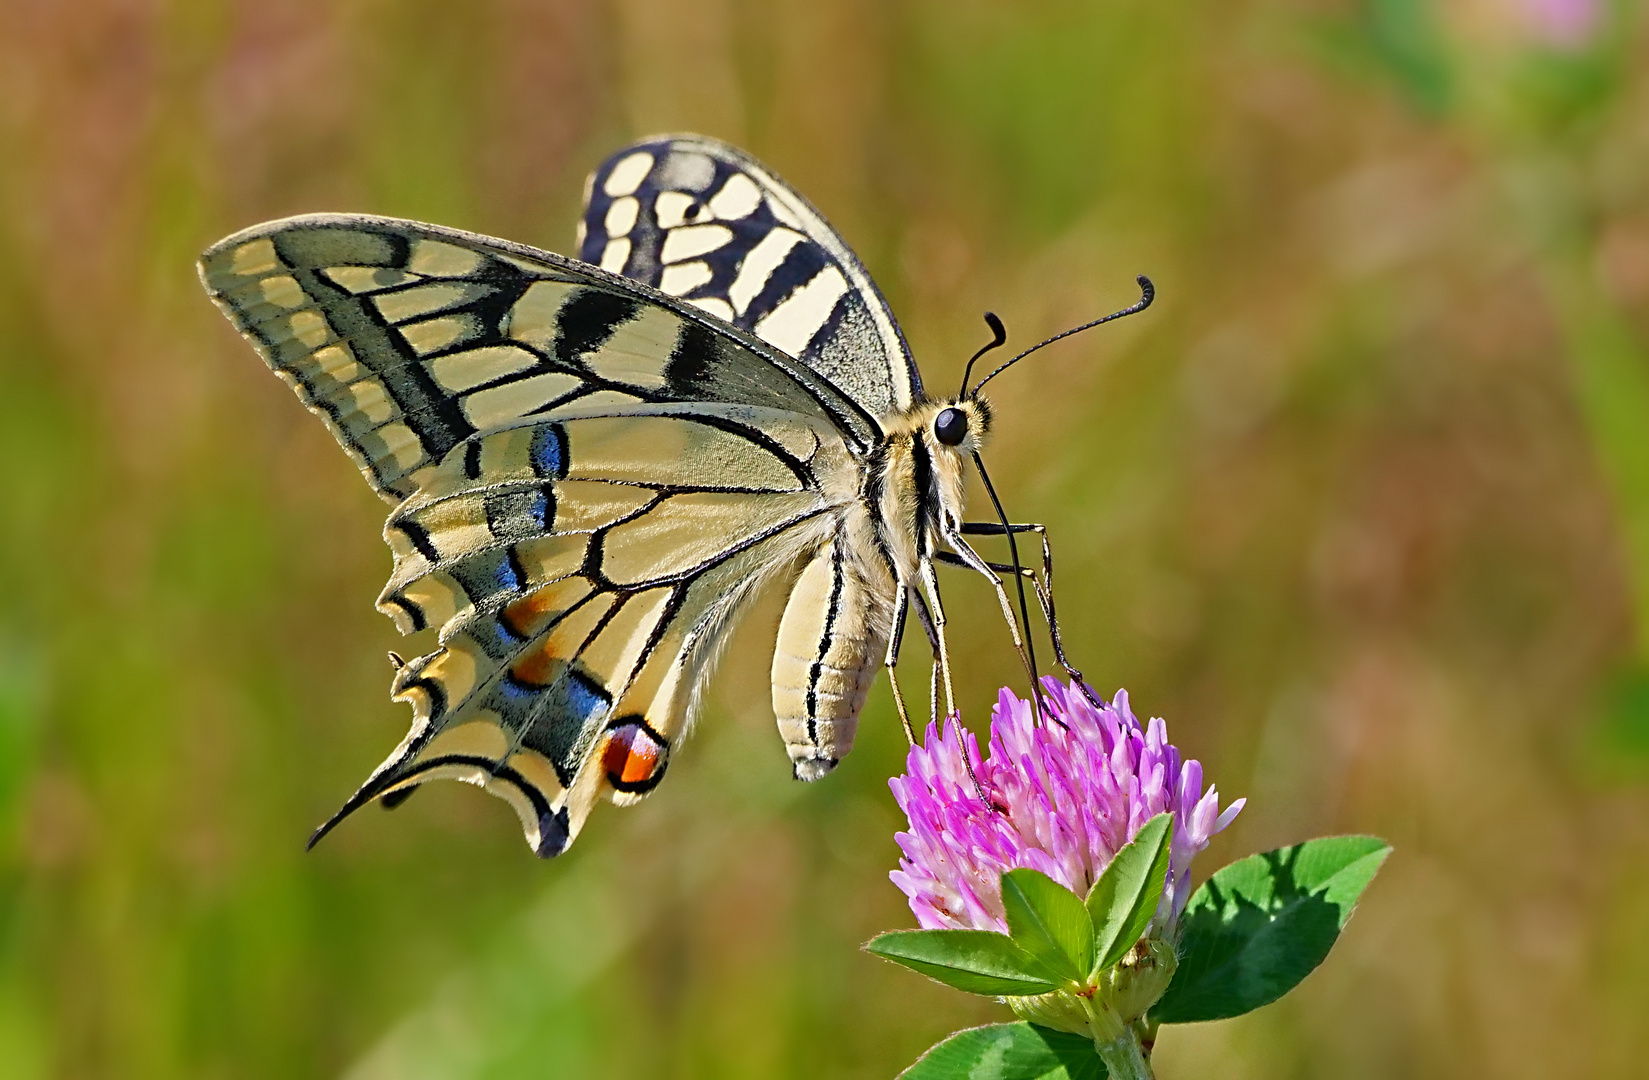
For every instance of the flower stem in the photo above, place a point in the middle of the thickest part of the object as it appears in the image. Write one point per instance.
(1116, 1043)
(1124, 1060)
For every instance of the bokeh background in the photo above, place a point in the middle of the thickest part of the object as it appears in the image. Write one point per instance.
(1361, 507)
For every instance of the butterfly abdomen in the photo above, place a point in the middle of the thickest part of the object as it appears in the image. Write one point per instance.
(831, 641)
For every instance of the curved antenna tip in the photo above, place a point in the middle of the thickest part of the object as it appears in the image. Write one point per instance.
(1147, 291)
(999, 335)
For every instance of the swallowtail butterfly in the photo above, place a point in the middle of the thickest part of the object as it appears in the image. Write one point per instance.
(595, 464)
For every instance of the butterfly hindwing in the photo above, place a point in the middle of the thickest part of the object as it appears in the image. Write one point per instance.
(582, 606)
(699, 219)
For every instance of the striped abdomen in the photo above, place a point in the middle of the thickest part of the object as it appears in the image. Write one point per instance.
(832, 639)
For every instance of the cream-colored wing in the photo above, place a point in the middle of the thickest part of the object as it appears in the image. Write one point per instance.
(582, 571)
(406, 339)
(703, 220)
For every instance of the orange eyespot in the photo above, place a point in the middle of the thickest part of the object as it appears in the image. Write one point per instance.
(635, 756)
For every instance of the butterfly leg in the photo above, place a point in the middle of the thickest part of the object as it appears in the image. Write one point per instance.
(933, 621)
(1026, 656)
(1044, 588)
(892, 661)
(966, 556)
(933, 695)
(911, 599)
(926, 620)
(930, 583)
(930, 586)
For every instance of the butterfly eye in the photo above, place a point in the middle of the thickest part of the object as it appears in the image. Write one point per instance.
(951, 426)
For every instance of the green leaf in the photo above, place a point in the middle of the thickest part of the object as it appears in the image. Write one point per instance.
(1009, 1052)
(1260, 925)
(1127, 893)
(978, 961)
(1048, 921)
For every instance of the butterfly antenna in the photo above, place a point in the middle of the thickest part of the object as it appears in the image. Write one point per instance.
(1147, 293)
(999, 337)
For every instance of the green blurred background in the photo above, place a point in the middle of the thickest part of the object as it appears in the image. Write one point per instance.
(1361, 507)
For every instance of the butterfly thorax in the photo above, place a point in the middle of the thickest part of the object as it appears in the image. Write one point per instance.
(914, 478)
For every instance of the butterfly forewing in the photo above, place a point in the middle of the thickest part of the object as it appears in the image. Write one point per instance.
(407, 338)
(592, 478)
(699, 219)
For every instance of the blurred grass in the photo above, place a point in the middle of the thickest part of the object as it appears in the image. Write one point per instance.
(1361, 506)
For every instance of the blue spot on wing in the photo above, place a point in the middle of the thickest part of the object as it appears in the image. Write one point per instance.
(516, 692)
(585, 700)
(516, 515)
(567, 721)
(486, 575)
(549, 451)
(509, 580)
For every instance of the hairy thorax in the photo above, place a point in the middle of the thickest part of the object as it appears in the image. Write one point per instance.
(914, 484)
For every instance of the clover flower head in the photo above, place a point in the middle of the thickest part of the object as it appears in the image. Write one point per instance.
(1062, 795)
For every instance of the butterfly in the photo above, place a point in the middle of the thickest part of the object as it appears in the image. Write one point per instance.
(596, 464)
